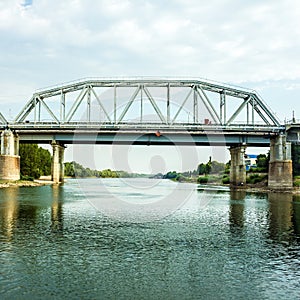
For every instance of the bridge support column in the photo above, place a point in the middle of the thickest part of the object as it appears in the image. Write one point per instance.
(9, 157)
(237, 167)
(280, 165)
(57, 170)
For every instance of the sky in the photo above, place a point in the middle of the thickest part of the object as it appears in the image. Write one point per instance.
(254, 44)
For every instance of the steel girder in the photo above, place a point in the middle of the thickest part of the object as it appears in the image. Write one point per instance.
(3, 121)
(196, 97)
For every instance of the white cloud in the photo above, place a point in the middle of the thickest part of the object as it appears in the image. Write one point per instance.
(232, 41)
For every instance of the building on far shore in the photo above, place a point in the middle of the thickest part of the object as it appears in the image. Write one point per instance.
(250, 161)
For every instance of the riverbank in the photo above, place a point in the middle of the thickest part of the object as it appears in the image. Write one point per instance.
(259, 187)
(265, 189)
(25, 183)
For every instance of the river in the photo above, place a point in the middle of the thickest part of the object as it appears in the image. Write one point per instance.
(147, 239)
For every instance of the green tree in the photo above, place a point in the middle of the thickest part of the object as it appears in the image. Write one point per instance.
(262, 162)
(69, 169)
(171, 175)
(217, 167)
(296, 159)
(201, 169)
(35, 161)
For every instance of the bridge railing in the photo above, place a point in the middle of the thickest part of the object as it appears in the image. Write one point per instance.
(149, 126)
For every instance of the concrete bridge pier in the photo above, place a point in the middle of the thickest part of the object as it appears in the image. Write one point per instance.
(280, 165)
(237, 167)
(57, 170)
(9, 156)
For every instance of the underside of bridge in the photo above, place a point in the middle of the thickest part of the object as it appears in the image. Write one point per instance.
(147, 111)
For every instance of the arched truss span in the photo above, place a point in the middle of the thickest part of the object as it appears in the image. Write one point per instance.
(140, 101)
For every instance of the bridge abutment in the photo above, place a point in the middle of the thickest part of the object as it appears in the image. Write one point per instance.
(237, 167)
(57, 170)
(9, 157)
(280, 165)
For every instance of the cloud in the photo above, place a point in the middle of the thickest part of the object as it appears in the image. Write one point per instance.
(224, 40)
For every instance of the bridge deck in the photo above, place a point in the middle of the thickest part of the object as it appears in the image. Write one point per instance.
(148, 134)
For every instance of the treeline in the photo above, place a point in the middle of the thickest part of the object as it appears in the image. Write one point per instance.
(35, 161)
(216, 172)
(74, 169)
(214, 169)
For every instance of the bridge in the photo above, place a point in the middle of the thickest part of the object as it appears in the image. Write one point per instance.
(149, 111)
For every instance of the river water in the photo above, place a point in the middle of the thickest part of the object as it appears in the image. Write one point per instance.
(137, 239)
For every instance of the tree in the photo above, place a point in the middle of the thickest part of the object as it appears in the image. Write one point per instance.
(296, 159)
(201, 169)
(212, 167)
(262, 162)
(171, 175)
(217, 167)
(69, 169)
(35, 161)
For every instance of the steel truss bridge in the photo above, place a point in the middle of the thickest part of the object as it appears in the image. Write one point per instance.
(148, 111)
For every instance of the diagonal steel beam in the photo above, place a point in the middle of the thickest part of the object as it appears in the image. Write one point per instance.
(268, 112)
(2, 119)
(182, 105)
(48, 109)
(208, 106)
(237, 112)
(101, 105)
(156, 108)
(25, 111)
(76, 104)
(261, 114)
(129, 104)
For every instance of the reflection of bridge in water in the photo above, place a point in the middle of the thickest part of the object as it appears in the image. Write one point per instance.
(281, 219)
(148, 111)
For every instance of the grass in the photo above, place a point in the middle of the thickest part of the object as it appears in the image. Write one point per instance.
(297, 181)
(256, 178)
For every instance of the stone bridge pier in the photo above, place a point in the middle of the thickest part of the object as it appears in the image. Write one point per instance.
(57, 170)
(238, 167)
(9, 156)
(280, 165)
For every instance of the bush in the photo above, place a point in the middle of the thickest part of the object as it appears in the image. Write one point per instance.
(257, 170)
(255, 178)
(27, 178)
(297, 183)
(226, 180)
(203, 179)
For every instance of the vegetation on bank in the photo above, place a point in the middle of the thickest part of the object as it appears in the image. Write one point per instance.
(297, 181)
(35, 162)
(74, 169)
(214, 172)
